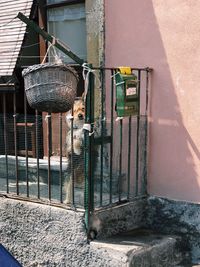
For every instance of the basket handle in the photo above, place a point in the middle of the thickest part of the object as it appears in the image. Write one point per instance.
(57, 58)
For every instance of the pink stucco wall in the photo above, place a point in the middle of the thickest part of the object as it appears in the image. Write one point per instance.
(164, 35)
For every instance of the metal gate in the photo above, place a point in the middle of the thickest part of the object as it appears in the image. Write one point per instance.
(116, 148)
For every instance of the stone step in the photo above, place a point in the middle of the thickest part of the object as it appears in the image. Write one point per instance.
(188, 265)
(143, 248)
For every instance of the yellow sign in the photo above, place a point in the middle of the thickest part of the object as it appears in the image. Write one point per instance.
(125, 70)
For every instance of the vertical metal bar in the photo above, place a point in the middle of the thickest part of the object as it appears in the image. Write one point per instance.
(102, 135)
(144, 189)
(60, 173)
(120, 159)
(5, 141)
(111, 132)
(49, 148)
(86, 172)
(147, 92)
(15, 143)
(37, 152)
(138, 137)
(89, 142)
(129, 157)
(26, 144)
(72, 158)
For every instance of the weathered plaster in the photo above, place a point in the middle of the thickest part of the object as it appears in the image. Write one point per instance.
(119, 219)
(95, 31)
(95, 41)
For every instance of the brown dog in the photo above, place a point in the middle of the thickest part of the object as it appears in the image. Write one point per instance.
(75, 152)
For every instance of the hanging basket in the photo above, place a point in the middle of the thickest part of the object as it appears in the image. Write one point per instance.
(50, 87)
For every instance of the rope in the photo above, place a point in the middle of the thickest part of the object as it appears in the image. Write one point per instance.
(119, 118)
(86, 72)
(87, 127)
(26, 46)
(47, 117)
(51, 45)
(58, 59)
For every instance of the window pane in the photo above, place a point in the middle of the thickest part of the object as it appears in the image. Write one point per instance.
(72, 12)
(54, 1)
(68, 24)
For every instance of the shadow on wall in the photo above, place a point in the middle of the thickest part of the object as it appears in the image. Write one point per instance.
(153, 30)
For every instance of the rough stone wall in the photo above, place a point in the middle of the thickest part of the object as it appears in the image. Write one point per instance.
(176, 217)
(120, 219)
(40, 235)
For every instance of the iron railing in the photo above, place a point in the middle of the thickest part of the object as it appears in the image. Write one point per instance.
(33, 161)
(119, 171)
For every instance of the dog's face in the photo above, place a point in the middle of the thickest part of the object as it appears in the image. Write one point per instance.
(79, 114)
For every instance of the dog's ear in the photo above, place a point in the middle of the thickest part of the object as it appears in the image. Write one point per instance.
(83, 96)
(68, 117)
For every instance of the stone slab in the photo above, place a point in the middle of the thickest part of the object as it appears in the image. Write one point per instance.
(142, 248)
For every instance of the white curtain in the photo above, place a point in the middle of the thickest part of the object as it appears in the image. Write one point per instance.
(68, 24)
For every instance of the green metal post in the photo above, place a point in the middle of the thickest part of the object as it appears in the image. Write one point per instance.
(89, 144)
(120, 159)
(111, 132)
(138, 138)
(129, 157)
(144, 177)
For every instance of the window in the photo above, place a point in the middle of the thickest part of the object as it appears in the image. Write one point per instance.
(68, 23)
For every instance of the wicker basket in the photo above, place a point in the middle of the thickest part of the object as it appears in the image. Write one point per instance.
(50, 87)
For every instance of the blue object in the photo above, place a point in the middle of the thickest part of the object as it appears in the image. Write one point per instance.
(6, 259)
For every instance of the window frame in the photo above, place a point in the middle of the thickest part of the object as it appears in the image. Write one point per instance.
(64, 3)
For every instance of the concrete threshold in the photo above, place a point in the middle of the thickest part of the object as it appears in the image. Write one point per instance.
(142, 248)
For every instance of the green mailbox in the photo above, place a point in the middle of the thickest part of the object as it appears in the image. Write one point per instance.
(127, 98)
